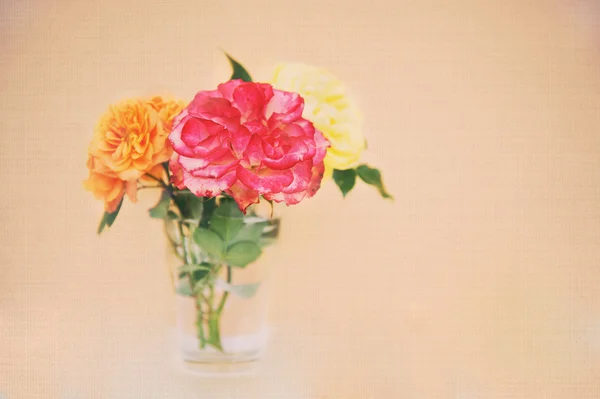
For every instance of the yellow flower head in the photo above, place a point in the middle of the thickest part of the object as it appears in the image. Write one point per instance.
(329, 108)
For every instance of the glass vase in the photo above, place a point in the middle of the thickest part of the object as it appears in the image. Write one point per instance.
(220, 278)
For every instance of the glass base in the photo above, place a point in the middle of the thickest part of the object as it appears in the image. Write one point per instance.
(222, 369)
(240, 357)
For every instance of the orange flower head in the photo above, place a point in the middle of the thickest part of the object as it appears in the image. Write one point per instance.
(131, 137)
(167, 110)
(106, 185)
(129, 141)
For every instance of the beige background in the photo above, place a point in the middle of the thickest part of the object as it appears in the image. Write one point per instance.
(480, 281)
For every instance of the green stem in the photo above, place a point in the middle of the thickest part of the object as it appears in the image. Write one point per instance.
(200, 324)
(145, 187)
(213, 327)
(213, 320)
(160, 181)
(226, 293)
(183, 243)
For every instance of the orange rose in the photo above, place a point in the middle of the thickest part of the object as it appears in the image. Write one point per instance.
(105, 185)
(129, 141)
(167, 111)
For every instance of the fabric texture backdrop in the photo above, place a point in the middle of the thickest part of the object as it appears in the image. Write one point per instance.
(479, 281)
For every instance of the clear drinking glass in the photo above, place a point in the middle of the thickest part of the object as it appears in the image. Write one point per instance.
(221, 305)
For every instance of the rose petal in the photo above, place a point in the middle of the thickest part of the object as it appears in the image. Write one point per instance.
(176, 172)
(302, 177)
(315, 182)
(284, 107)
(193, 132)
(250, 100)
(131, 190)
(217, 168)
(218, 110)
(299, 129)
(207, 187)
(111, 205)
(296, 153)
(244, 196)
(265, 180)
(256, 127)
(288, 199)
(321, 145)
(226, 89)
(254, 151)
(203, 137)
(180, 118)
(267, 90)
(239, 141)
(192, 164)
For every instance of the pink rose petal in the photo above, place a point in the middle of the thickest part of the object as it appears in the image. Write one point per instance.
(244, 196)
(226, 89)
(207, 187)
(250, 100)
(176, 173)
(284, 107)
(216, 169)
(254, 151)
(302, 177)
(295, 153)
(265, 180)
(239, 141)
(289, 199)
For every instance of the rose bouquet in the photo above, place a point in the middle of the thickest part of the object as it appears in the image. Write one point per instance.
(221, 161)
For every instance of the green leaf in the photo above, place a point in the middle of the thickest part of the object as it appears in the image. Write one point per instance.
(208, 207)
(245, 290)
(345, 179)
(190, 205)
(161, 209)
(270, 233)
(242, 253)
(197, 272)
(226, 227)
(172, 215)
(184, 288)
(199, 276)
(372, 176)
(250, 232)
(109, 218)
(227, 220)
(229, 208)
(191, 268)
(242, 290)
(239, 72)
(209, 241)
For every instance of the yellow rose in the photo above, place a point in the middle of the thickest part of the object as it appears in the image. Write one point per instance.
(329, 108)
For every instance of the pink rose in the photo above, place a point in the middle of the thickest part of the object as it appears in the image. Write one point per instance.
(247, 139)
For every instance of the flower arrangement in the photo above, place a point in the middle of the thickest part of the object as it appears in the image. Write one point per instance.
(219, 157)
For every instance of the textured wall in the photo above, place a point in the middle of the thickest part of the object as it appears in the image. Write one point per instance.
(479, 281)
